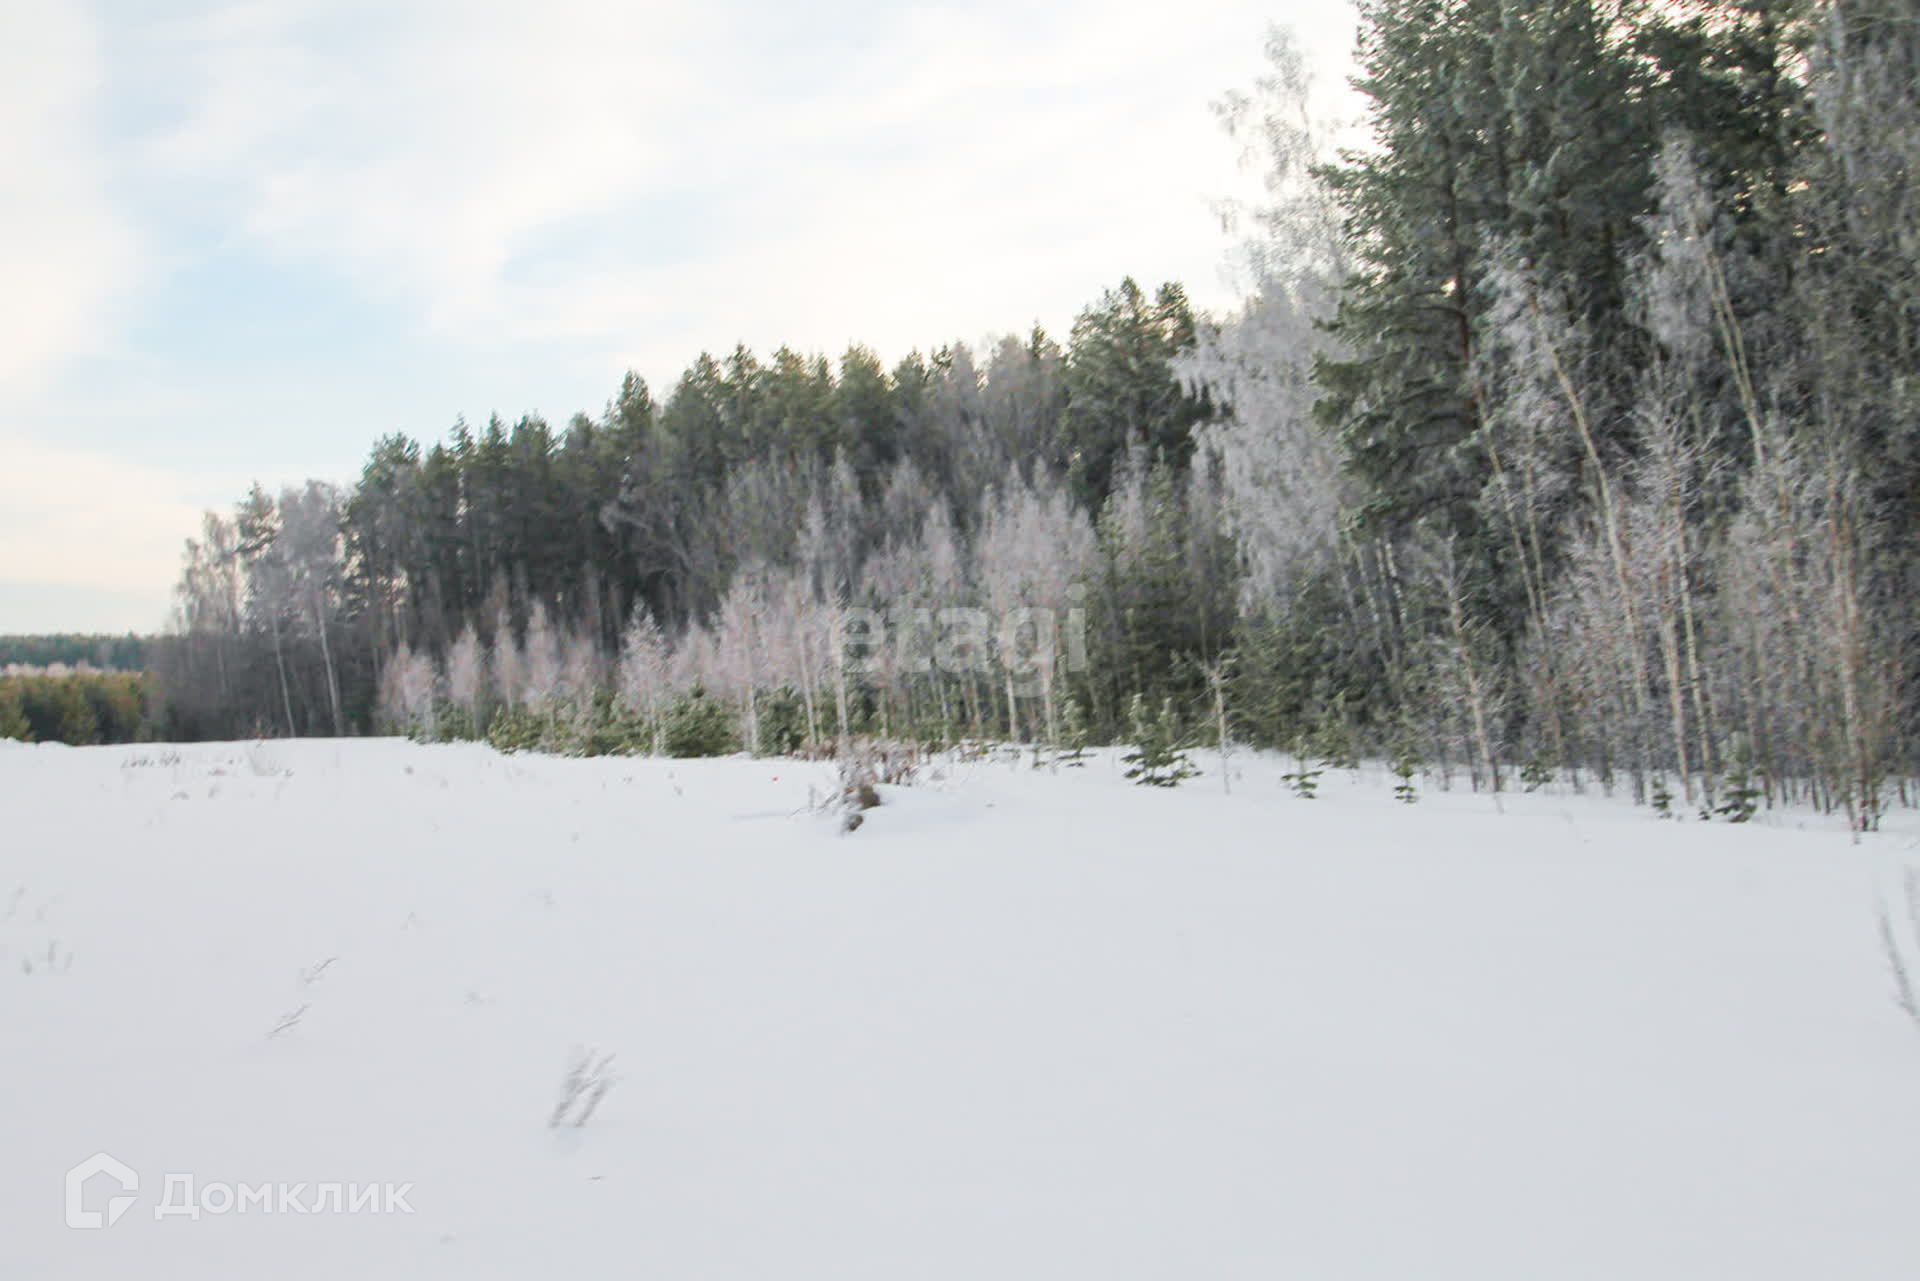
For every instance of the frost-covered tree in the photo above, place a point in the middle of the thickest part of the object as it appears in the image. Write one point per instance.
(739, 633)
(643, 671)
(1290, 244)
(509, 662)
(1284, 492)
(695, 660)
(1035, 549)
(804, 642)
(467, 680)
(582, 671)
(310, 538)
(1568, 424)
(408, 701)
(541, 682)
(270, 584)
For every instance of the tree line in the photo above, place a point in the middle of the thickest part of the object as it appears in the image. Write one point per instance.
(1569, 430)
(107, 653)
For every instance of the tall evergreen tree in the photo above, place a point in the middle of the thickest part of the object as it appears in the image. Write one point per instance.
(1123, 388)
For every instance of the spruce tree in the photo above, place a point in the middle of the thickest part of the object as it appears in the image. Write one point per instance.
(1123, 387)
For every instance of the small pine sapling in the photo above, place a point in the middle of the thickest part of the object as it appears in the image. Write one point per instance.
(1156, 760)
(1405, 765)
(1074, 731)
(943, 734)
(1304, 781)
(1335, 740)
(1662, 798)
(1216, 676)
(1535, 774)
(1740, 795)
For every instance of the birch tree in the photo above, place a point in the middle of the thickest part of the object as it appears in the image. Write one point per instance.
(643, 672)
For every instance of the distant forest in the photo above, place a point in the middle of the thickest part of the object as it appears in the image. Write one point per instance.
(1571, 429)
(107, 653)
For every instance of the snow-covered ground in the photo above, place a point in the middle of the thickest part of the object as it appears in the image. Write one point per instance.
(1021, 1025)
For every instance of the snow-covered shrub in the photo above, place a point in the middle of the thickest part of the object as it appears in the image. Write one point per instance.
(853, 802)
(882, 761)
(864, 766)
(264, 761)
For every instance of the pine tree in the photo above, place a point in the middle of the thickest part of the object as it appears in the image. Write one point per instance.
(1123, 387)
(1477, 158)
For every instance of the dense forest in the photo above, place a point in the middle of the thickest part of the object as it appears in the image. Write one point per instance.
(1571, 428)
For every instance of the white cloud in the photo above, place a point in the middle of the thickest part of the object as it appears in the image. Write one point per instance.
(622, 183)
(75, 516)
(85, 520)
(68, 258)
(901, 176)
(421, 149)
(65, 254)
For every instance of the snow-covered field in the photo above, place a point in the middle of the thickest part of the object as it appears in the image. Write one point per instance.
(1021, 1025)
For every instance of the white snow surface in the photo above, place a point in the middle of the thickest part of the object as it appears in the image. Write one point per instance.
(1022, 1024)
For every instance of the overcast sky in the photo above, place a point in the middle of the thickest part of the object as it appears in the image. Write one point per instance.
(241, 241)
